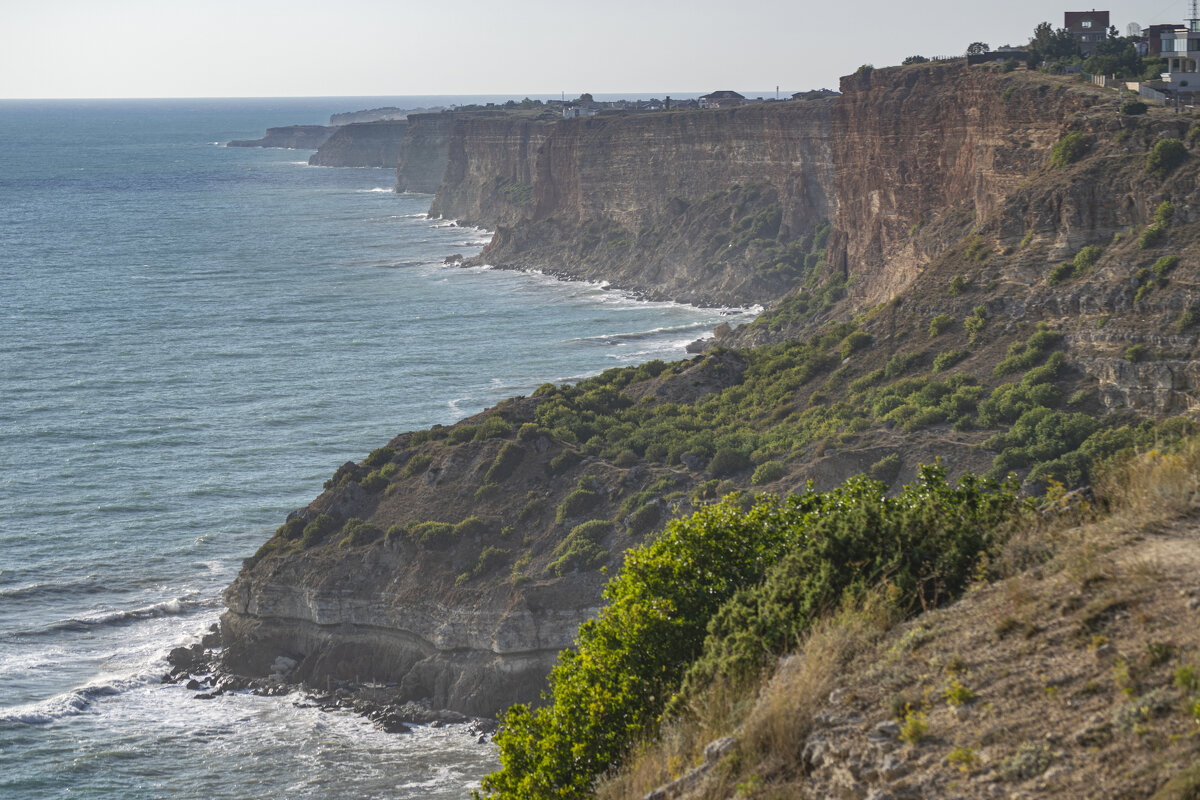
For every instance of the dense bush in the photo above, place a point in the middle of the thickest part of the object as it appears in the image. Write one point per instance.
(1164, 157)
(632, 659)
(728, 461)
(581, 549)
(506, 461)
(577, 502)
(939, 325)
(379, 457)
(1022, 356)
(417, 464)
(357, 532)
(644, 519)
(768, 472)
(318, 529)
(1068, 149)
(1133, 107)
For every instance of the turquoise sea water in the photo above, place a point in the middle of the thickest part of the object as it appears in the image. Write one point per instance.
(192, 338)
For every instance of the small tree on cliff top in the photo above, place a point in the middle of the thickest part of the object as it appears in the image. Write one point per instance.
(977, 48)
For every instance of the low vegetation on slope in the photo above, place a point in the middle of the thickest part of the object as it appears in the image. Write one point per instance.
(753, 579)
(1074, 673)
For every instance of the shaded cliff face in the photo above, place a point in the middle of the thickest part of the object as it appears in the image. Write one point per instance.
(421, 161)
(921, 146)
(292, 137)
(362, 144)
(664, 203)
(491, 162)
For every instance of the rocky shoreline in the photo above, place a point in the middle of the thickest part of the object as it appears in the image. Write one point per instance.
(198, 668)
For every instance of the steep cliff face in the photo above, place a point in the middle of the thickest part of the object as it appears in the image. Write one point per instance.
(663, 203)
(491, 162)
(421, 162)
(362, 144)
(292, 137)
(920, 146)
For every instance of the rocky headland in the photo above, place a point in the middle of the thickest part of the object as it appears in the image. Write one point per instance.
(291, 137)
(984, 266)
(362, 144)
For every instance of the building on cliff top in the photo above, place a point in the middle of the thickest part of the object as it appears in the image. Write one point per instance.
(722, 99)
(1089, 27)
(1180, 46)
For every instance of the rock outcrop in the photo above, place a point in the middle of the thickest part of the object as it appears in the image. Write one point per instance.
(362, 144)
(291, 137)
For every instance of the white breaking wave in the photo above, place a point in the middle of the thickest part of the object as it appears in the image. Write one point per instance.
(376, 190)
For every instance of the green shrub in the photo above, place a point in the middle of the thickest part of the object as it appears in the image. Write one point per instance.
(854, 342)
(1068, 149)
(975, 323)
(581, 549)
(1133, 107)
(434, 535)
(948, 359)
(1151, 235)
(564, 461)
(1022, 356)
(1164, 265)
(374, 482)
(357, 532)
(768, 472)
(1086, 258)
(318, 529)
(885, 469)
(716, 581)
(958, 285)
(1164, 157)
(1137, 353)
(1164, 213)
(727, 461)
(379, 457)
(529, 431)
(644, 519)
(417, 464)
(292, 529)
(939, 325)
(1187, 319)
(978, 249)
(471, 526)
(577, 502)
(462, 433)
(505, 463)
(1060, 273)
(489, 558)
(494, 427)
(901, 363)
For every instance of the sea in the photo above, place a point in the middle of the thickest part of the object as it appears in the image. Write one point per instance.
(192, 339)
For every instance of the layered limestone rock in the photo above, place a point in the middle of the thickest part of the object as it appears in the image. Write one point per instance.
(379, 615)
(651, 202)
(362, 144)
(914, 146)
(490, 167)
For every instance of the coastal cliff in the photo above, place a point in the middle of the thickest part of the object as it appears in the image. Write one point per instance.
(291, 137)
(362, 144)
(421, 161)
(693, 206)
(942, 281)
(491, 160)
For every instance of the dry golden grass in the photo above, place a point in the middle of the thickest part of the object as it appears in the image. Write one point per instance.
(1092, 551)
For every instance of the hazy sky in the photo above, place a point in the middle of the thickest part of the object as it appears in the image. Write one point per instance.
(268, 48)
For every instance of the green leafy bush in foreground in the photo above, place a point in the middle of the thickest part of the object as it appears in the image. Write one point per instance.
(725, 590)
